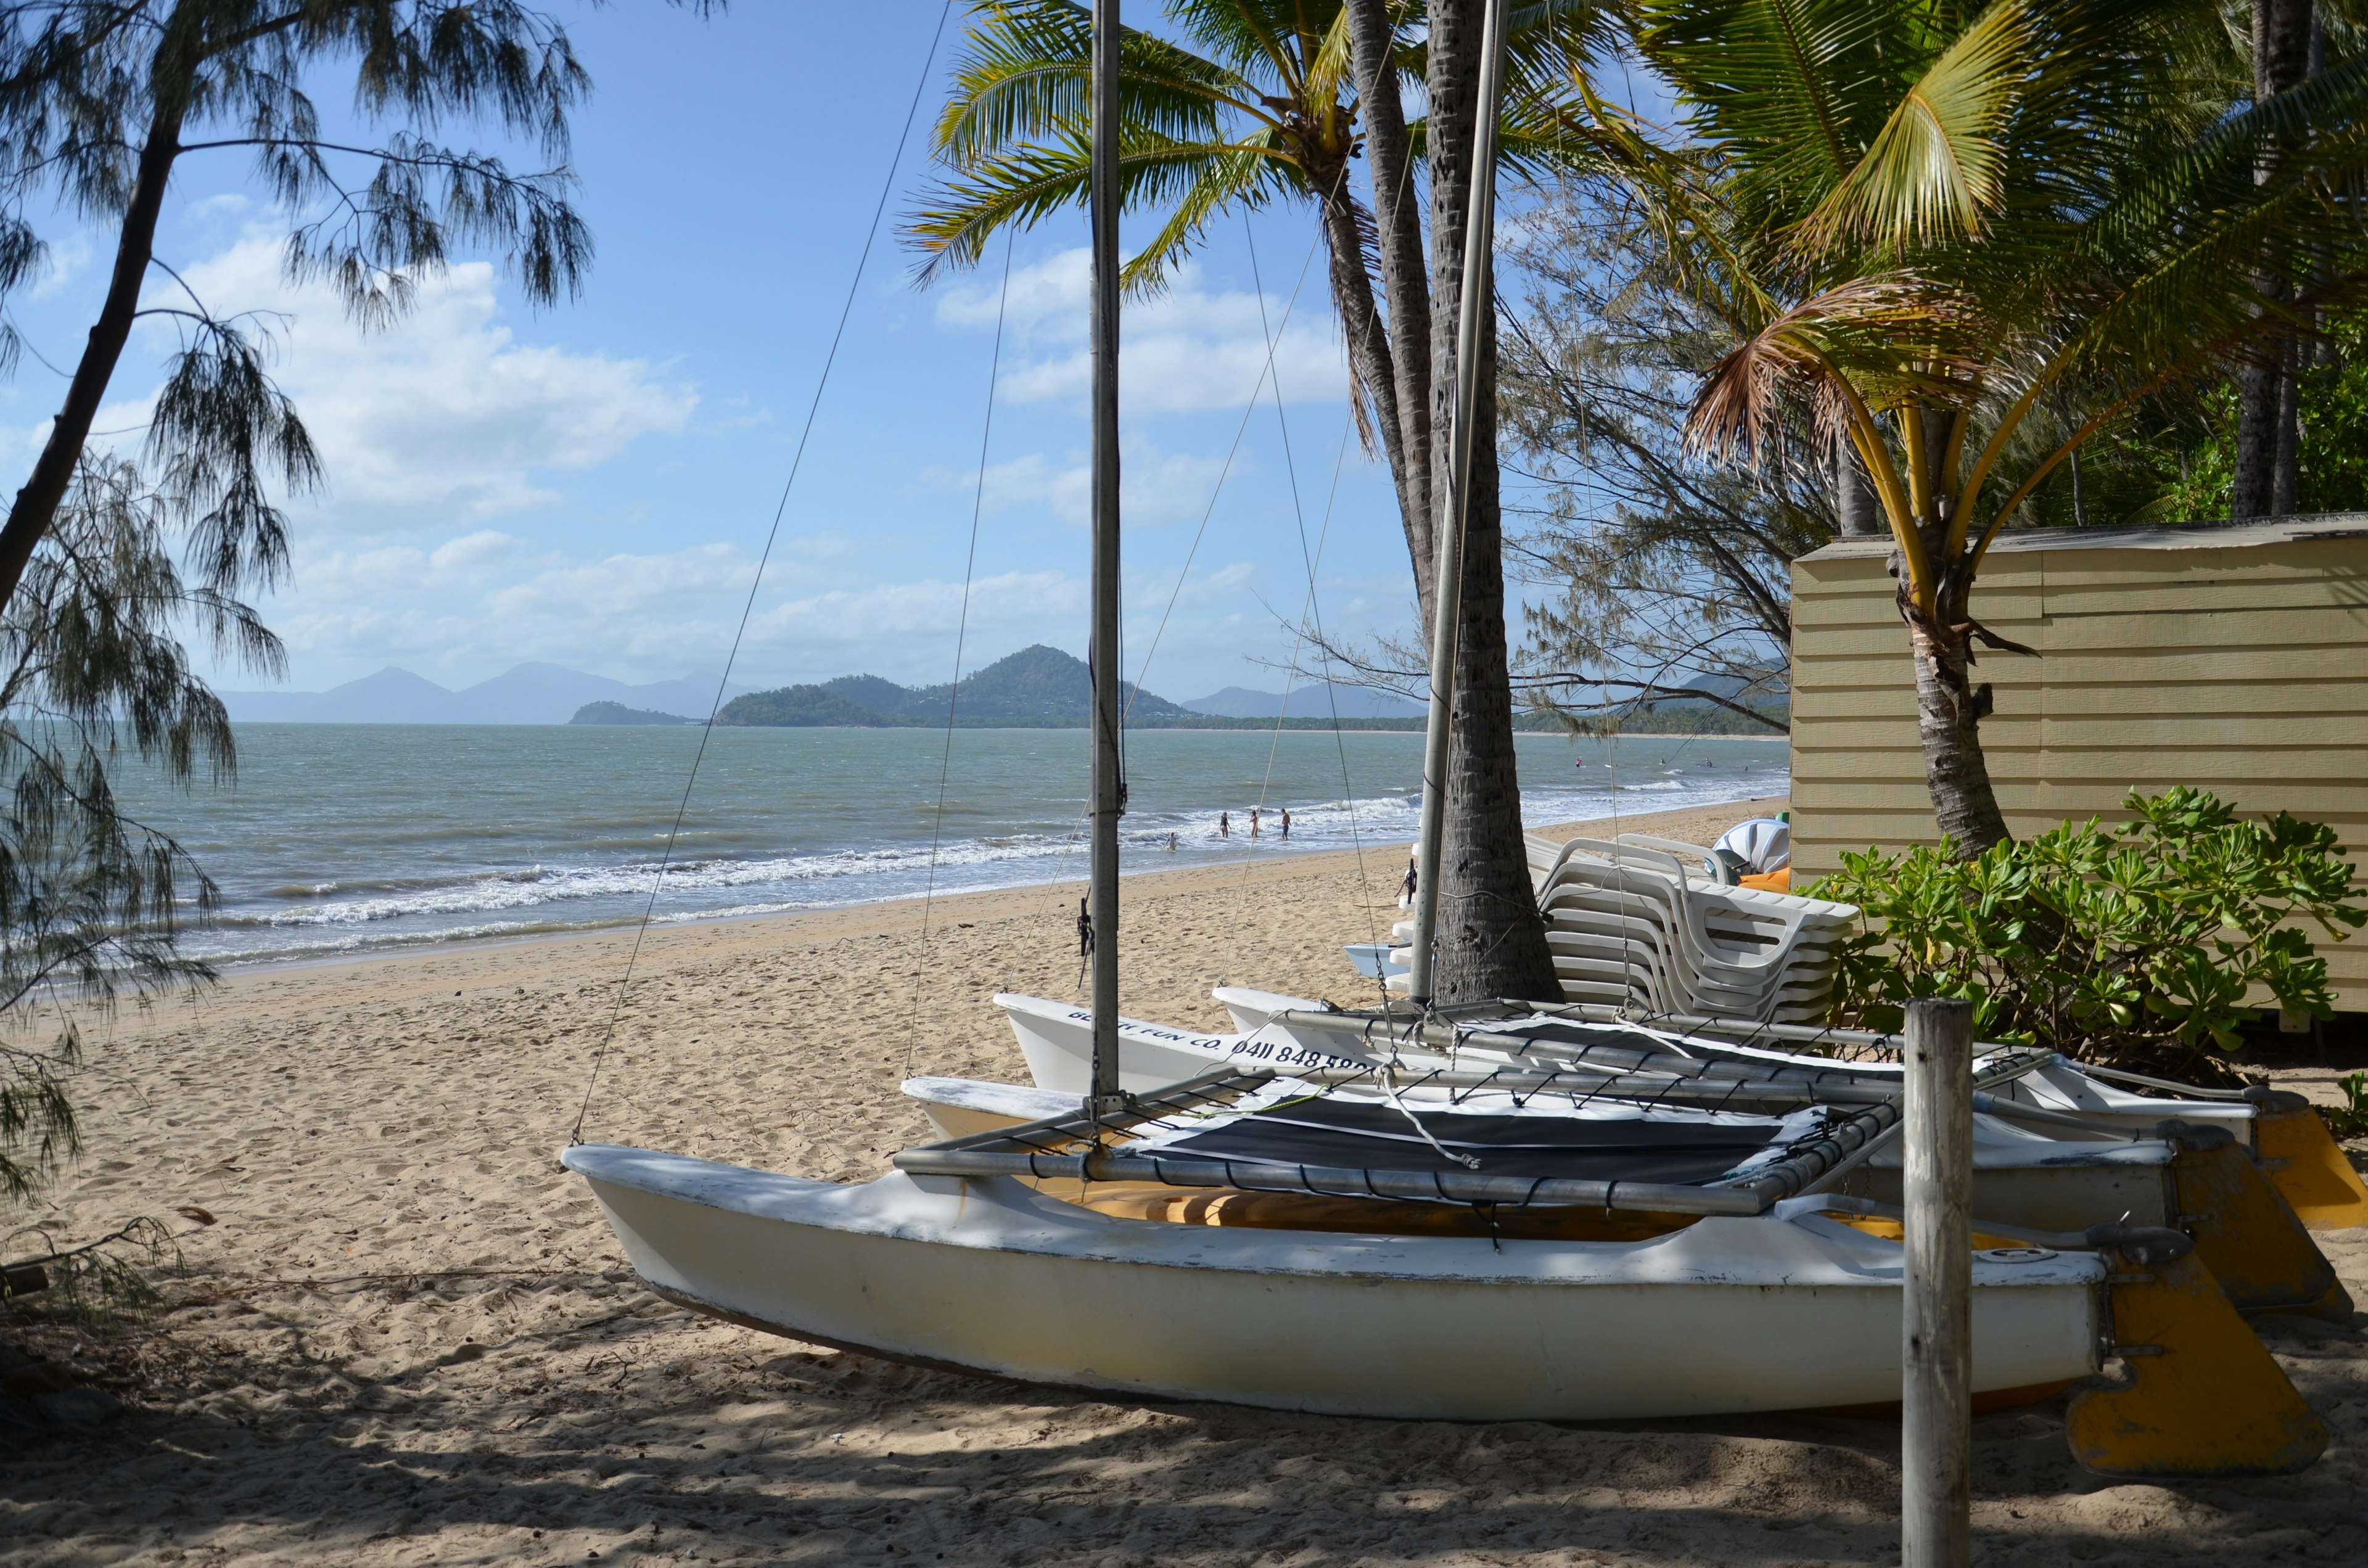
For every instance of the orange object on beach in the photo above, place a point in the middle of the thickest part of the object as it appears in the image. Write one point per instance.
(1778, 881)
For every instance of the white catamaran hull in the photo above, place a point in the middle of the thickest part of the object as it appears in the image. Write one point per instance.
(2059, 1086)
(986, 1275)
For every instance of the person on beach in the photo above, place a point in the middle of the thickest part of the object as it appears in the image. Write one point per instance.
(1405, 888)
(1286, 821)
(1084, 930)
(1171, 843)
(1225, 824)
(1254, 814)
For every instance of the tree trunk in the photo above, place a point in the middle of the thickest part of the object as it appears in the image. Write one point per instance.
(36, 506)
(1369, 356)
(2260, 401)
(1491, 939)
(1949, 712)
(2285, 472)
(1397, 218)
(1856, 508)
(2266, 427)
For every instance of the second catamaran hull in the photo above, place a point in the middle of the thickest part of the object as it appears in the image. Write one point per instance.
(2252, 1238)
(987, 1276)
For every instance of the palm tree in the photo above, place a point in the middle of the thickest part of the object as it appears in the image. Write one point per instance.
(1945, 227)
(1260, 102)
(1258, 105)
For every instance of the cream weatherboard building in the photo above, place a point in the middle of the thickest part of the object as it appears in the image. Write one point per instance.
(2230, 657)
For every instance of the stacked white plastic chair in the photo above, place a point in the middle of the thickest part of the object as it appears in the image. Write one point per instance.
(1640, 922)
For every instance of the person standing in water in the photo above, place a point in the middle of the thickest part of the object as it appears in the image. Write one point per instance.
(1254, 825)
(1171, 843)
(1225, 824)
(1286, 821)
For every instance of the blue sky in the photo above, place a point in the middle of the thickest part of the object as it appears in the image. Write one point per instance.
(590, 486)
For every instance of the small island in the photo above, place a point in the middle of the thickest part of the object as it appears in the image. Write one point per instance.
(618, 713)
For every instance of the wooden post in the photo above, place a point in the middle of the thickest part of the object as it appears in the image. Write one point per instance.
(1936, 1381)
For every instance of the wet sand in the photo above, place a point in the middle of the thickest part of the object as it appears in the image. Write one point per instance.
(409, 1338)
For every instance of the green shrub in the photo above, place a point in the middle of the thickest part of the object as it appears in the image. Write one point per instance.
(2140, 943)
(2349, 1119)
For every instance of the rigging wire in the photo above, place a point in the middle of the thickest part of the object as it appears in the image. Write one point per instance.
(780, 509)
(1130, 696)
(1309, 609)
(1248, 409)
(961, 634)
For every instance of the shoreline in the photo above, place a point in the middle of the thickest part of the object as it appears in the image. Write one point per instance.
(903, 912)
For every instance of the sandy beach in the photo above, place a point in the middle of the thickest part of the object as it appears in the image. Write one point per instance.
(408, 1337)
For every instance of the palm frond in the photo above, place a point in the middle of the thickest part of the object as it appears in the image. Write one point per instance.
(1026, 74)
(1934, 168)
(1794, 89)
(1890, 338)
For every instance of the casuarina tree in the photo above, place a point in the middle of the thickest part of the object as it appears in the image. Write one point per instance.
(107, 559)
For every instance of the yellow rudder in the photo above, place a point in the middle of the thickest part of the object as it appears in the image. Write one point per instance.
(2245, 1231)
(2306, 1162)
(2202, 1396)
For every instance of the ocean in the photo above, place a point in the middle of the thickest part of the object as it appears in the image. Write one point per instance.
(349, 839)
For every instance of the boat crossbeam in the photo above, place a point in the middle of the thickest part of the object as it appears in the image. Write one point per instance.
(1071, 1148)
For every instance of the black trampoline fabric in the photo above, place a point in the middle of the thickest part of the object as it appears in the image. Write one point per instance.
(1360, 1134)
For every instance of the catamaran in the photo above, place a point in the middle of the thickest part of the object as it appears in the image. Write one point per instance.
(2040, 1159)
(1274, 1240)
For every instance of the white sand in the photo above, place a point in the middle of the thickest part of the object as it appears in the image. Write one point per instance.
(411, 1339)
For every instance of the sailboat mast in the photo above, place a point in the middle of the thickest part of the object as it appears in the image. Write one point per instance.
(1108, 799)
(1447, 594)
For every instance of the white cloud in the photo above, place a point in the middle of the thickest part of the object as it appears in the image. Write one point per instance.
(442, 414)
(1155, 486)
(1189, 348)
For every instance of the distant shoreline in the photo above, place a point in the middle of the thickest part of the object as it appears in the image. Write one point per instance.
(1395, 726)
(1260, 863)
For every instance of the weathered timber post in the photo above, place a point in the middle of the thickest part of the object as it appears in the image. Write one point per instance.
(1937, 1361)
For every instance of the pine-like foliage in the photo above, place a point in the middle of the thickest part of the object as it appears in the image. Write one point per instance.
(1662, 575)
(94, 677)
(105, 563)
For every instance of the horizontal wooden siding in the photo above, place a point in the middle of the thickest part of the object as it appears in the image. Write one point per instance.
(2243, 670)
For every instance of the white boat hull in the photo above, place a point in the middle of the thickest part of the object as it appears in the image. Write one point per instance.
(988, 1275)
(2060, 1086)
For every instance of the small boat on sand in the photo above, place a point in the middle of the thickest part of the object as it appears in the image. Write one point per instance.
(1181, 1252)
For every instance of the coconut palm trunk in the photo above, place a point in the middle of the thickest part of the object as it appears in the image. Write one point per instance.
(1950, 709)
(2268, 405)
(1238, 103)
(1491, 939)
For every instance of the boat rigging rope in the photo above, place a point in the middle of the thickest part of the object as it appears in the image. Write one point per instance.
(1053, 897)
(1309, 610)
(1249, 408)
(780, 509)
(961, 634)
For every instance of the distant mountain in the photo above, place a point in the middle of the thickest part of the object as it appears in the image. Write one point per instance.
(528, 694)
(803, 705)
(618, 713)
(1035, 685)
(1308, 701)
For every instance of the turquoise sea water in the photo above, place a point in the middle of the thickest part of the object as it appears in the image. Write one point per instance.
(344, 838)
